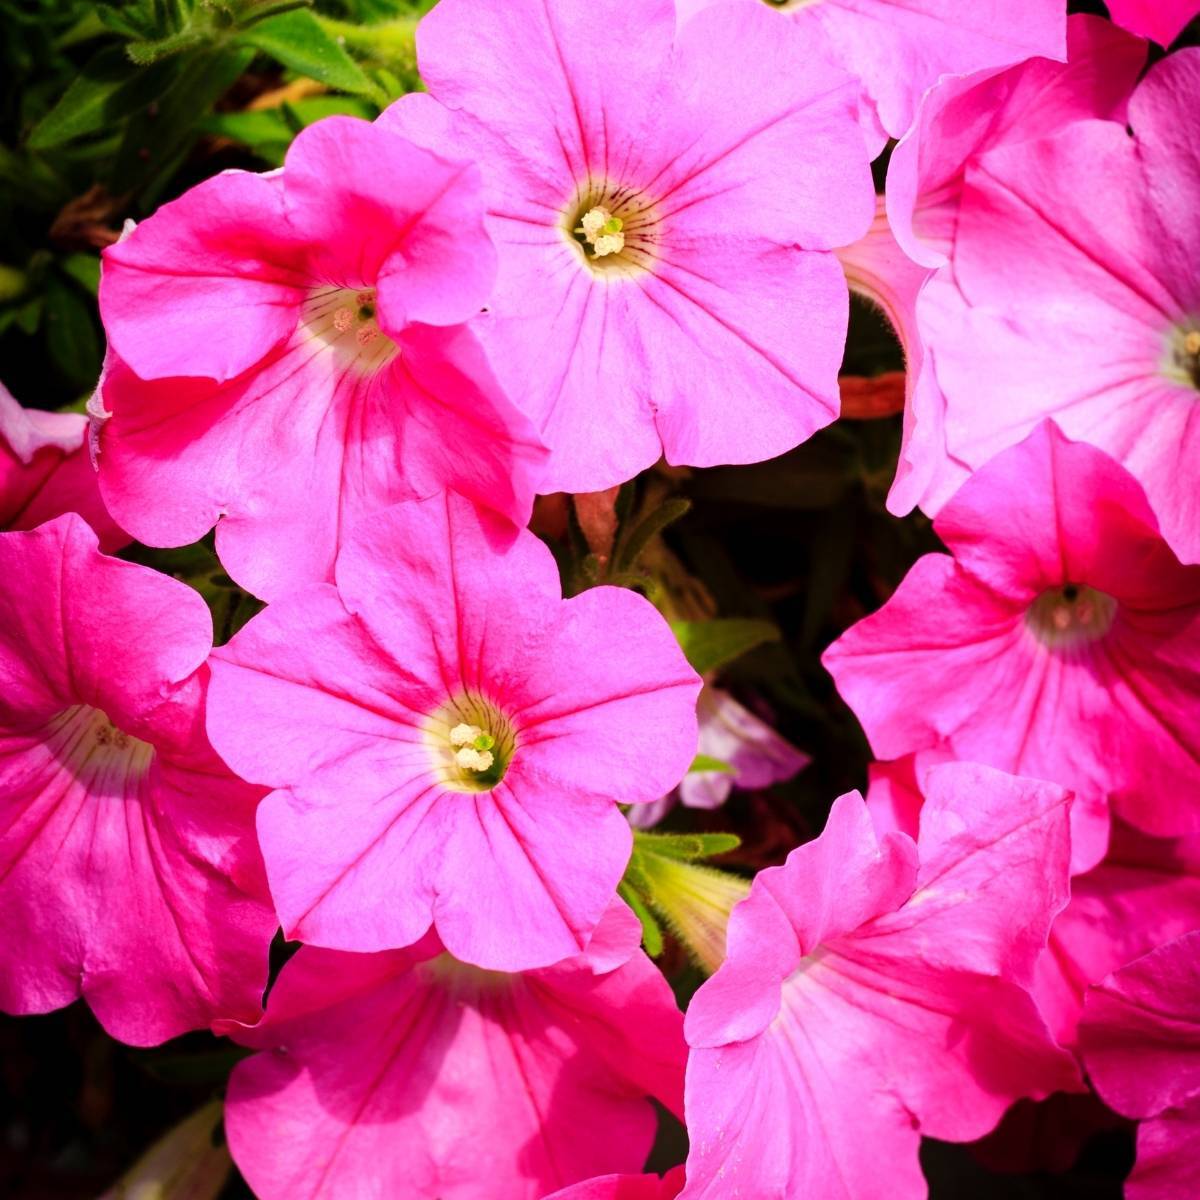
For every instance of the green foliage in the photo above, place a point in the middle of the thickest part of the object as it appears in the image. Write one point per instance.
(710, 645)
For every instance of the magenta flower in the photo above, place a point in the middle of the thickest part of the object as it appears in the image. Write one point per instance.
(663, 219)
(625, 1187)
(1162, 20)
(45, 472)
(1144, 893)
(128, 869)
(1141, 1045)
(1061, 640)
(731, 734)
(1063, 237)
(290, 356)
(409, 1074)
(898, 49)
(874, 991)
(449, 738)
(902, 262)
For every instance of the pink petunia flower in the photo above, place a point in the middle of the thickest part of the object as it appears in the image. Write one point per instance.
(1075, 293)
(1060, 639)
(289, 355)
(898, 49)
(874, 991)
(902, 263)
(625, 1187)
(128, 869)
(1144, 893)
(449, 739)
(664, 221)
(45, 472)
(409, 1075)
(731, 734)
(1162, 20)
(1141, 1045)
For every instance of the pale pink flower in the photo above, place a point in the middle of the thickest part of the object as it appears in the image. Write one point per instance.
(409, 1075)
(1060, 639)
(902, 262)
(1141, 1046)
(289, 356)
(664, 205)
(874, 991)
(449, 739)
(900, 48)
(1162, 20)
(731, 734)
(1075, 293)
(128, 869)
(45, 472)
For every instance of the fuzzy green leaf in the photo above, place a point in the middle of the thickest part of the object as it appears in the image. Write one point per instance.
(297, 40)
(689, 847)
(713, 644)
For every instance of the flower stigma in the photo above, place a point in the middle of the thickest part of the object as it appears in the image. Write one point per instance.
(472, 743)
(602, 231)
(346, 319)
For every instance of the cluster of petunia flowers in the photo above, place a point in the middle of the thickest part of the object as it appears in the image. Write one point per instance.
(608, 234)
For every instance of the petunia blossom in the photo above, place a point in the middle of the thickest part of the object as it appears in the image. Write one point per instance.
(1162, 20)
(448, 739)
(625, 1187)
(289, 354)
(898, 49)
(1075, 294)
(1059, 639)
(45, 472)
(903, 263)
(1144, 893)
(1141, 1045)
(664, 221)
(409, 1075)
(751, 753)
(874, 991)
(129, 873)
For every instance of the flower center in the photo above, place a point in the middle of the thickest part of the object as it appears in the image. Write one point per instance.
(472, 743)
(616, 229)
(1071, 614)
(93, 748)
(1185, 356)
(345, 319)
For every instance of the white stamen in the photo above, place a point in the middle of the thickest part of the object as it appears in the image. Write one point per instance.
(471, 759)
(609, 243)
(460, 735)
(602, 231)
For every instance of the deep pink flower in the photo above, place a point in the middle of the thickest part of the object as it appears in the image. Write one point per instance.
(900, 48)
(128, 869)
(289, 355)
(625, 1187)
(407, 1074)
(449, 738)
(874, 991)
(1075, 293)
(1141, 1045)
(709, 327)
(902, 262)
(1144, 893)
(1061, 641)
(45, 472)
(1162, 20)
(733, 735)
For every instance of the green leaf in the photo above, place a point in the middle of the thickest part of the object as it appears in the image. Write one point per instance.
(690, 847)
(712, 644)
(652, 937)
(703, 762)
(84, 269)
(631, 546)
(108, 89)
(71, 335)
(297, 40)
